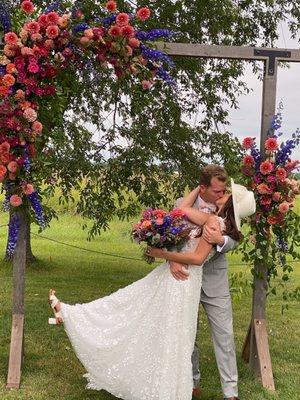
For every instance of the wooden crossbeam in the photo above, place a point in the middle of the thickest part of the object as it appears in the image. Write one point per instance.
(228, 52)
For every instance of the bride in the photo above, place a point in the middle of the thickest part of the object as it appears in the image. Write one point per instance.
(137, 343)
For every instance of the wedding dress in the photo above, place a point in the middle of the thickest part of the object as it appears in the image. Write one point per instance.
(137, 343)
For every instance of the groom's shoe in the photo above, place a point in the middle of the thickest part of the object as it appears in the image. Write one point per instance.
(196, 393)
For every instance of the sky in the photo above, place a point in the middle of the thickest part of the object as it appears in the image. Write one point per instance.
(246, 120)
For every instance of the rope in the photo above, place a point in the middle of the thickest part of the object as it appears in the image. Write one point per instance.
(103, 253)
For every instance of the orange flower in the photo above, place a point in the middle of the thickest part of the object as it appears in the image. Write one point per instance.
(281, 174)
(3, 91)
(8, 80)
(271, 144)
(11, 68)
(4, 147)
(3, 170)
(122, 19)
(146, 224)
(272, 220)
(266, 167)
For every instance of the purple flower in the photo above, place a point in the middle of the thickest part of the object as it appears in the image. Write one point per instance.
(37, 208)
(13, 233)
(154, 34)
(5, 17)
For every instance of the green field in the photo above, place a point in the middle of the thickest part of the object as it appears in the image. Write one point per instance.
(51, 370)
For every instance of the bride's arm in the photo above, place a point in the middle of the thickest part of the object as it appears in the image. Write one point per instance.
(196, 258)
(197, 217)
(190, 198)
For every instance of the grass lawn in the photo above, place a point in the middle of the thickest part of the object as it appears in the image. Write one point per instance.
(51, 370)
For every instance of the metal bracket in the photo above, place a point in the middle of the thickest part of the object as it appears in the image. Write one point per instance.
(272, 55)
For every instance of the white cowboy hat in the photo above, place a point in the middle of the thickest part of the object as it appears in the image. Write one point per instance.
(243, 202)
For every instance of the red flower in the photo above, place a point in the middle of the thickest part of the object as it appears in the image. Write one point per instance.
(248, 142)
(52, 18)
(33, 27)
(266, 167)
(52, 31)
(127, 31)
(271, 144)
(143, 13)
(43, 21)
(3, 91)
(111, 6)
(27, 7)
(122, 19)
(248, 160)
(265, 200)
(281, 174)
(11, 38)
(272, 220)
(114, 30)
(177, 213)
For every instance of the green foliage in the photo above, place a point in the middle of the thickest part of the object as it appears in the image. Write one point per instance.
(149, 148)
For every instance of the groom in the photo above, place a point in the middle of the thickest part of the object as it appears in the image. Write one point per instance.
(215, 296)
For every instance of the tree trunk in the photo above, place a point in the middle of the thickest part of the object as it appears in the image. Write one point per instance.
(29, 255)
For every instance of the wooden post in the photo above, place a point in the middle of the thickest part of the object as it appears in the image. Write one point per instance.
(16, 354)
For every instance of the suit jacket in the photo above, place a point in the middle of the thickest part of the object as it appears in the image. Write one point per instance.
(215, 270)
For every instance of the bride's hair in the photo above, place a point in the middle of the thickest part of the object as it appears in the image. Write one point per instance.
(231, 229)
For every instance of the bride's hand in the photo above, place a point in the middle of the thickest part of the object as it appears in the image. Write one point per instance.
(153, 252)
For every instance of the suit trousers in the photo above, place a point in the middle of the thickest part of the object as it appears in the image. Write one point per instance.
(219, 314)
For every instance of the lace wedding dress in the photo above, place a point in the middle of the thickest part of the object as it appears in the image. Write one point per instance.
(137, 343)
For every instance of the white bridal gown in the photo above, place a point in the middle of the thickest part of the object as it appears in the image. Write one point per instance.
(137, 343)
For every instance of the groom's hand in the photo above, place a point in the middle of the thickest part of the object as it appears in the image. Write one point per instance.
(213, 235)
(179, 271)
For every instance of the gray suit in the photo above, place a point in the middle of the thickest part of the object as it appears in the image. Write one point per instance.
(216, 301)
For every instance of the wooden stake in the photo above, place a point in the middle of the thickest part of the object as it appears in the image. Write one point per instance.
(16, 353)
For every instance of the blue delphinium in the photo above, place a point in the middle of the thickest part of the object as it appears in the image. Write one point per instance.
(13, 233)
(37, 208)
(286, 148)
(80, 27)
(53, 6)
(5, 20)
(156, 55)
(154, 34)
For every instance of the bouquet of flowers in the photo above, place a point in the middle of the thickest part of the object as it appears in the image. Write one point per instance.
(161, 229)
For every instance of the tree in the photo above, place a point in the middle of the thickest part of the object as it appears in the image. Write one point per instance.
(149, 138)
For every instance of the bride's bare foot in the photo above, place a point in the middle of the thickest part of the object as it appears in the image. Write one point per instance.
(55, 305)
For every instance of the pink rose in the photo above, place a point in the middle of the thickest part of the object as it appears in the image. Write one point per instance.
(30, 114)
(284, 207)
(15, 200)
(28, 189)
(37, 126)
(12, 167)
(276, 196)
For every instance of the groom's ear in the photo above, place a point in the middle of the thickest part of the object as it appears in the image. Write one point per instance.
(202, 188)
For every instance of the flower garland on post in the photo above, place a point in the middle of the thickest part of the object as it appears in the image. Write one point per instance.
(275, 228)
(31, 59)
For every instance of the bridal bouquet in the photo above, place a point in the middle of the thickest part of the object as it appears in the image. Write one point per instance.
(161, 229)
